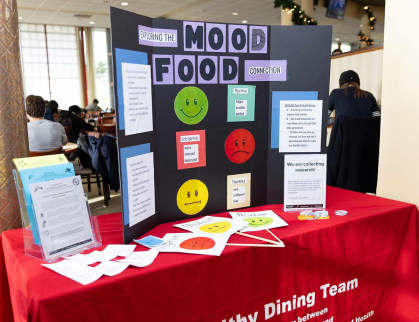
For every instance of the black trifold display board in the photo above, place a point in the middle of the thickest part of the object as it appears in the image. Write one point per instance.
(211, 122)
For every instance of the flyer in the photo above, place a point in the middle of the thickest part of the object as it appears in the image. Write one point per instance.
(62, 216)
(305, 181)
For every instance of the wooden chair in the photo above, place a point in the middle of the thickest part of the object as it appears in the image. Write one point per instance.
(107, 129)
(50, 152)
(109, 114)
(108, 121)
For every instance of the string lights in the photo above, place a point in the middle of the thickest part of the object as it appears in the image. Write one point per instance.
(365, 40)
(372, 20)
(299, 17)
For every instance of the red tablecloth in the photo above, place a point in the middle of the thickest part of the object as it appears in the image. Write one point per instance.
(374, 248)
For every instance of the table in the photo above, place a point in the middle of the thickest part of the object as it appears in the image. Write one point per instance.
(373, 251)
(70, 147)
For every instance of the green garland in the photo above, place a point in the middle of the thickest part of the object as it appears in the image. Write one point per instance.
(298, 16)
(371, 17)
(365, 39)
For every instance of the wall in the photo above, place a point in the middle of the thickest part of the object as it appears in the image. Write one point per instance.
(368, 65)
(398, 175)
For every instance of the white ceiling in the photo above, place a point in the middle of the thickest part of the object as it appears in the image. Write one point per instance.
(61, 12)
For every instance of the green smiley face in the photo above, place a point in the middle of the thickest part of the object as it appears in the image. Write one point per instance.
(258, 221)
(191, 105)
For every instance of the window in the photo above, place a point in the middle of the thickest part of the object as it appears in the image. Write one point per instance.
(345, 47)
(50, 63)
(101, 68)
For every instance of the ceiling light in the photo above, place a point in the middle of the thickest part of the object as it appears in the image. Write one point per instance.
(92, 22)
(361, 26)
(337, 39)
(20, 18)
(235, 13)
(124, 3)
(244, 21)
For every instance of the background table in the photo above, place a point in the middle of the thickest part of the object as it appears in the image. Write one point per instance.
(377, 244)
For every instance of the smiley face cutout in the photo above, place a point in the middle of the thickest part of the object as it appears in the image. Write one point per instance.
(191, 105)
(197, 243)
(239, 146)
(192, 197)
(259, 221)
(216, 228)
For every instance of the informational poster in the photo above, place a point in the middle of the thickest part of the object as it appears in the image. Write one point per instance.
(213, 88)
(137, 98)
(191, 149)
(62, 216)
(238, 190)
(305, 181)
(140, 174)
(241, 103)
(300, 124)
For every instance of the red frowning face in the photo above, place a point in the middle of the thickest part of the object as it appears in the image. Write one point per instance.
(198, 243)
(239, 146)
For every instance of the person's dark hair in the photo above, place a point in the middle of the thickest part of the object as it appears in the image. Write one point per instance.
(351, 79)
(35, 106)
(54, 106)
(75, 109)
(337, 51)
(95, 101)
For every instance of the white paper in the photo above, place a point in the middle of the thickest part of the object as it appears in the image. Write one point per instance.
(136, 85)
(100, 256)
(140, 259)
(111, 268)
(305, 181)
(213, 225)
(119, 250)
(78, 272)
(240, 107)
(259, 220)
(194, 243)
(84, 259)
(62, 216)
(239, 194)
(190, 153)
(300, 126)
(141, 199)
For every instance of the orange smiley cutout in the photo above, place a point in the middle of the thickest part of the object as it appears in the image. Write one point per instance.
(239, 146)
(197, 243)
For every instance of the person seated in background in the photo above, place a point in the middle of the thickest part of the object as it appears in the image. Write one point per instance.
(72, 118)
(337, 51)
(51, 110)
(350, 99)
(43, 134)
(94, 106)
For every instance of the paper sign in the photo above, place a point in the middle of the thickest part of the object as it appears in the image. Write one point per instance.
(140, 259)
(62, 216)
(100, 256)
(119, 250)
(78, 272)
(141, 198)
(259, 220)
(191, 149)
(300, 126)
(194, 243)
(149, 241)
(241, 103)
(305, 181)
(111, 268)
(83, 259)
(238, 191)
(42, 161)
(138, 112)
(212, 225)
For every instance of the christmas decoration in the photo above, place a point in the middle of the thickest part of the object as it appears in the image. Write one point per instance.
(365, 39)
(298, 16)
(371, 17)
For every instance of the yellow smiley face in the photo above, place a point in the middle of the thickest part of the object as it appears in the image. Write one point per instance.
(216, 228)
(192, 197)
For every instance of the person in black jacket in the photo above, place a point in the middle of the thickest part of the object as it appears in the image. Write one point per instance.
(350, 99)
(72, 119)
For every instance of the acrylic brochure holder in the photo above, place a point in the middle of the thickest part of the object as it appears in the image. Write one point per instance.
(35, 249)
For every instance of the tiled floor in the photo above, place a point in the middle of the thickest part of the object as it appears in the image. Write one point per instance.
(97, 206)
